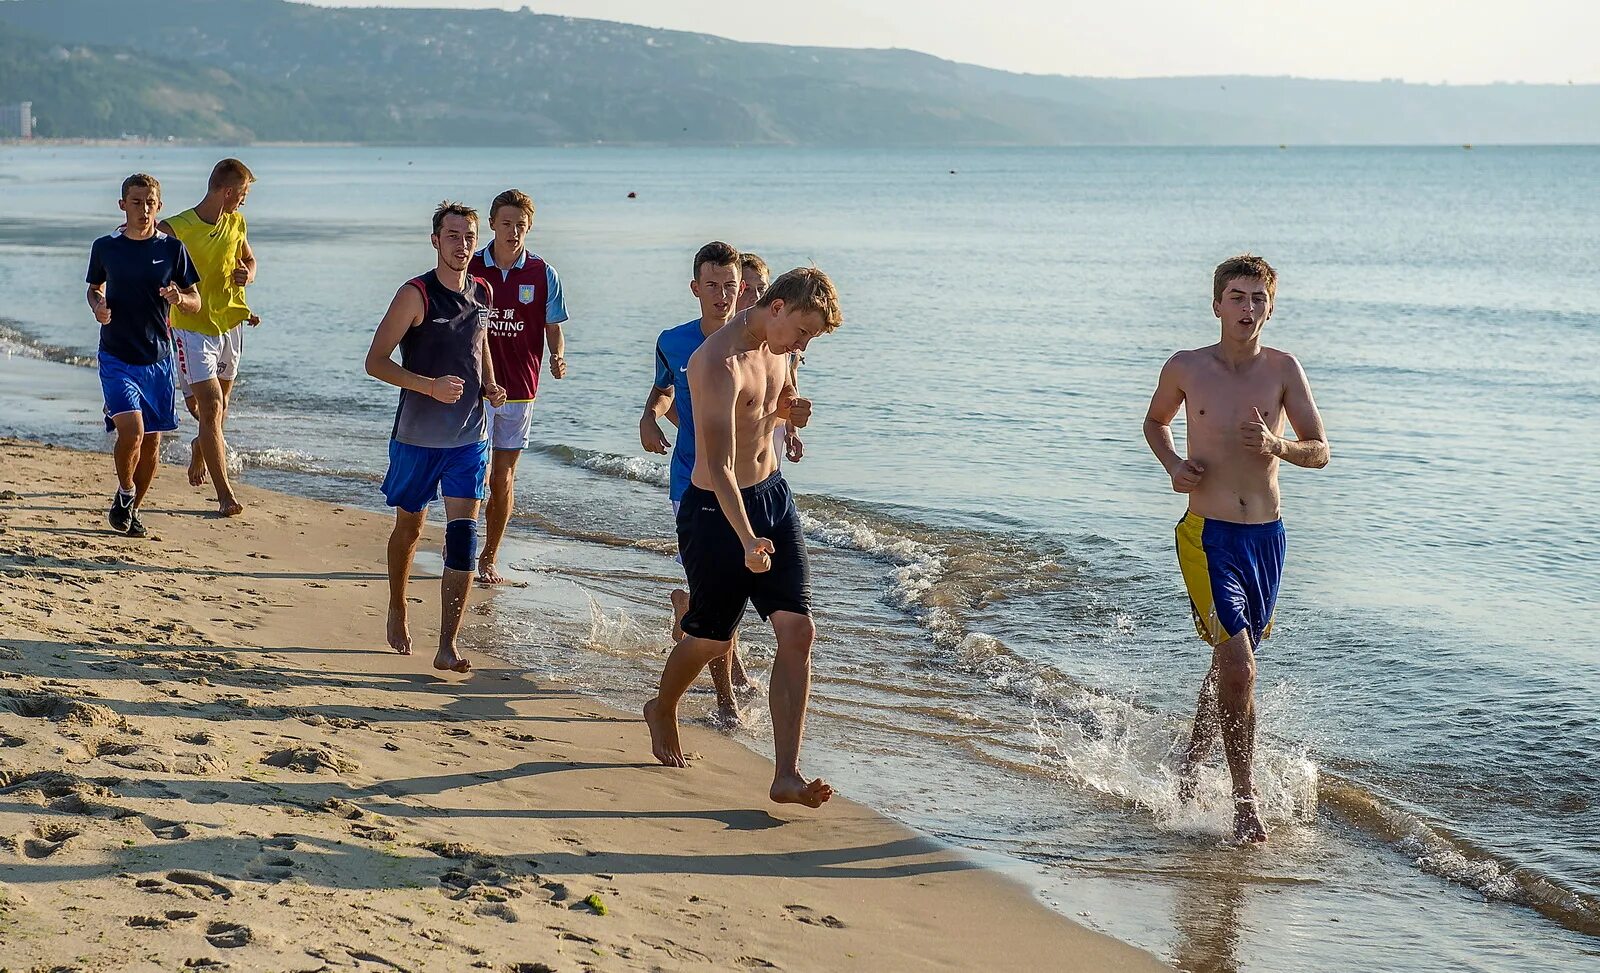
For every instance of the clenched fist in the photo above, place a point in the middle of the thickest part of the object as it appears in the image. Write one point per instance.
(446, 389)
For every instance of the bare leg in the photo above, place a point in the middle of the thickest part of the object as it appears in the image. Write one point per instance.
(1235, 664)
(453, 595)
(125, 455)
(197, 460)
(727, 706)
(1202, 737)
(788, 694)
(502, 497)
(211, 405)
(145, 472)
(741, 679)
(680, 604)
(683, 666)
(402, 548)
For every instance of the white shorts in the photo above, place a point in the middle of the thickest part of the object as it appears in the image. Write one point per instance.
(509, 425)
(201, 357)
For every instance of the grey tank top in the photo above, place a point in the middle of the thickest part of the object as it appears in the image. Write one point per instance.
(449, 341)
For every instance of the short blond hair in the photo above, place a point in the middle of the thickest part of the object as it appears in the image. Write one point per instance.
(229, 173)
(1244, 265)
(751, 264)
(512, 197)
(807, 289)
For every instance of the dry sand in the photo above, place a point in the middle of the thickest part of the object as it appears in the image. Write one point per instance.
(209, 760)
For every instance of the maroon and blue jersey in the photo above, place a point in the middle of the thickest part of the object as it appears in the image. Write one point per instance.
(527, 296)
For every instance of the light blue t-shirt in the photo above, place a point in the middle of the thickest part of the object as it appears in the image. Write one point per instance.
(673, 349)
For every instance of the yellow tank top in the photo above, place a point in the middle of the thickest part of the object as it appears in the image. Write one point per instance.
(214, 250)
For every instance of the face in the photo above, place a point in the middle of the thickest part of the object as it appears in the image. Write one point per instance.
(717, 287)
(751, 287)
(510, 225)
(141, 205)
(455, 241)
(233, 197)
(1244, 308)
(791, 328)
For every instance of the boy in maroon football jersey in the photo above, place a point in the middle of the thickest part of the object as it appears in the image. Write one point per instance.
(526, 318)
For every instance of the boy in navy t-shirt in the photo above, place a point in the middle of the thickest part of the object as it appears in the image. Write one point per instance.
(136, 275)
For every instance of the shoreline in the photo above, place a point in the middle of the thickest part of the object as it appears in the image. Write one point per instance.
(239, 746)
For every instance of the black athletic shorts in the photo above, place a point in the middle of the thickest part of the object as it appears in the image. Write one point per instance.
(713, 558)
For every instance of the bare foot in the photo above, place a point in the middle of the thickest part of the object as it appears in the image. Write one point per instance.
(1188, 782)
(399, 631)
(487, 575)
(449, 660)
(664, 735)
(793, 789)
(680, 604)
(197, 464)
(728, 716)
(229, 507)
(1247, 826)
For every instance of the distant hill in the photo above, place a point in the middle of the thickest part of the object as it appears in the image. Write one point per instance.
(270, 69)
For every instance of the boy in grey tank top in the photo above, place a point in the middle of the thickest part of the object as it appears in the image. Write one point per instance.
(439, 443)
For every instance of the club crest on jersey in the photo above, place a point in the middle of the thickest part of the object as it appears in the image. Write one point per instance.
(525, 293)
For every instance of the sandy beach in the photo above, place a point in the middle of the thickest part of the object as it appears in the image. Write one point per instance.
(208, 760)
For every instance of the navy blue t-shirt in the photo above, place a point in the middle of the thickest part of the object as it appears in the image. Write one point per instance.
(134, 271)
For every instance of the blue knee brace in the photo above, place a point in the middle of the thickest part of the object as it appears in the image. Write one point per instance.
(461, 544)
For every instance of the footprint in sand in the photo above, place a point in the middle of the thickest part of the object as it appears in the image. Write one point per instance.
(200, 885)
(276, 868)
(809, 916)
(498, 910)
(170, 830)
(47, 840)
(229, 935)
(149, 922)
(311, 760)
(7, 740)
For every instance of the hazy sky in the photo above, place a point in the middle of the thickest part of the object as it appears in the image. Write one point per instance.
(1460, 41)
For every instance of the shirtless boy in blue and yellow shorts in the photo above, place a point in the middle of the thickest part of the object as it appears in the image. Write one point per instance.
(1235, 395)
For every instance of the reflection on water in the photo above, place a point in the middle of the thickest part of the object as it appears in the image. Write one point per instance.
(1207, 915)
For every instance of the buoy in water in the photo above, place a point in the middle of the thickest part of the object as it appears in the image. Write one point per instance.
(633, 195)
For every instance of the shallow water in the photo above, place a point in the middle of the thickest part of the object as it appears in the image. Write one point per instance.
(1006, 658)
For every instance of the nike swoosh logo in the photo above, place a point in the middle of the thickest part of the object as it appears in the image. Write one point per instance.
(684, 369)
(158, 261)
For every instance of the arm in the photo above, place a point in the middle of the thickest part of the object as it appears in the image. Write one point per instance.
(658, 403)
(1164, 406)
(495, 394)
(185, 299)
(405, 312)
(1310, 449)
(557, 343)
(245, 274)
(96, 279)
(712, 385)
(97, 302)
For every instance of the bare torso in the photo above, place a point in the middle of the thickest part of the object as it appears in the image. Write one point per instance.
(1240, 484)
(759, 378)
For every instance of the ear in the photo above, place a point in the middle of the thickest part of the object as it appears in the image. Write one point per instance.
(1216, 309)
(694, 287)
(776, 307)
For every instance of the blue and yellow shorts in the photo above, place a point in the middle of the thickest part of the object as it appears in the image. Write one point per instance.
(1232, 573)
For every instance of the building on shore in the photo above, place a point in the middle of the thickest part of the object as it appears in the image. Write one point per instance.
(16, 120)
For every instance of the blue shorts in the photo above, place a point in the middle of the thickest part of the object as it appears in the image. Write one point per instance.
(145, 389)
(416, 474)
(1232, 573)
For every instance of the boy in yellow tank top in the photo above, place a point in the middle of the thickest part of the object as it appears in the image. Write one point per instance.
(210, 343)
